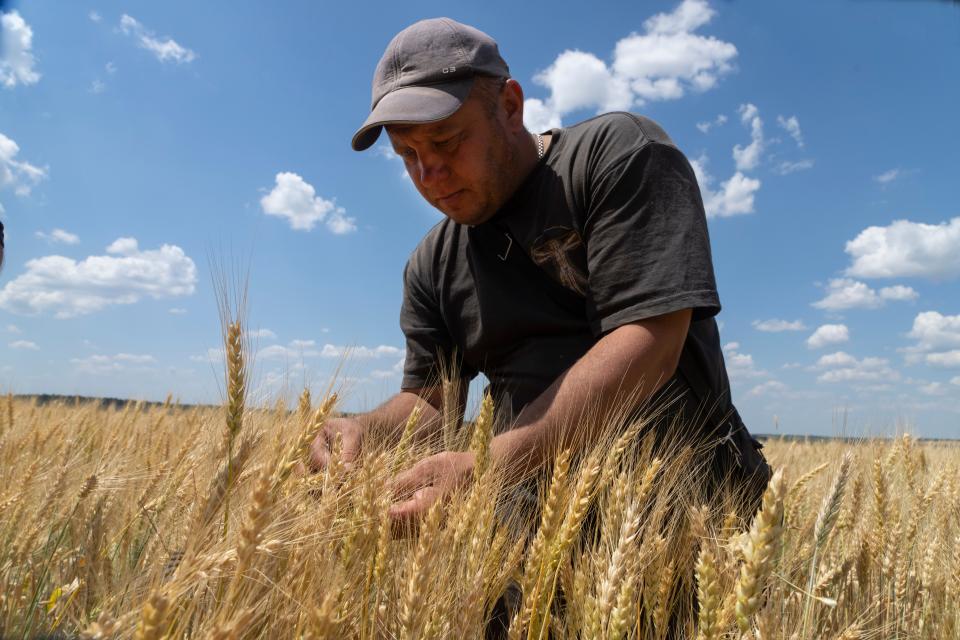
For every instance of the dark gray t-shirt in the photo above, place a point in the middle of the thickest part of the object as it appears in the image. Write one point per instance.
(608, 229)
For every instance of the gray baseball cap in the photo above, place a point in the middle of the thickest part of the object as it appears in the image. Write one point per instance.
(426, 73)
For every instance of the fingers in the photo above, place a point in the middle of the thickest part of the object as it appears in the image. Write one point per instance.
(405, 516)
(319, 453)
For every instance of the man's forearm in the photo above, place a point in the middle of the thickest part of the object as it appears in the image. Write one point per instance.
(389, 419)
(628, 364)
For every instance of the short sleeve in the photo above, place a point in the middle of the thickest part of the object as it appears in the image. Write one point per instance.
(428, 341)
(647, 244)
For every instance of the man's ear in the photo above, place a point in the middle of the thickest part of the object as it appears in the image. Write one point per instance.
(512, 100)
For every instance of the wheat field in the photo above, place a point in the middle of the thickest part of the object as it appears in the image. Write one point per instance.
(164, 521)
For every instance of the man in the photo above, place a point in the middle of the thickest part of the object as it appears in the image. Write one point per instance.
(573, 269)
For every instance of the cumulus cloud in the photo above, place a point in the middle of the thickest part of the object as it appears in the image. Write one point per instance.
(100, 364)
(393, 371)
(19, 175)
(308, 349)
(846, 293)
(59, 236)
(94, 17)
(24, 345)
(747, 158)
(907, 249)
(262, 333)
(828, 334)
(887, 176)
(787, 166)
(843, 367)
(740, 365)
(955, 380)
(947, 359)
(663, 63)
(792, 126)
(297, 201)
(705, 127)
(12, 328)
(933, 330)
(937, 339)
(66, 287)
(176, 311)
(775, 325)
(767, 388)
(16, 51)
(164, 49)
(734, 197)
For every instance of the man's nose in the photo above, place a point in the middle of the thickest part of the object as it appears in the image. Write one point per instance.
(432, 169)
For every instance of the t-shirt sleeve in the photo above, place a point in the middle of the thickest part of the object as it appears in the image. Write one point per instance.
(648, 248)
(427, 338)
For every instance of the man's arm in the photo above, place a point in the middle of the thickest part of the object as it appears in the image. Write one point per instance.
(385, 423)
(631, 362)
(389, 419)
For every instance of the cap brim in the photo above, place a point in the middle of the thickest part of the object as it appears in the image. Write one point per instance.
(412, 105)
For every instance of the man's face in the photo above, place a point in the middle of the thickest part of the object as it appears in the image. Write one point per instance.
(460, 165)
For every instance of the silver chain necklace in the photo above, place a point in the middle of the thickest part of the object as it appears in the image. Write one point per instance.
(539, 146)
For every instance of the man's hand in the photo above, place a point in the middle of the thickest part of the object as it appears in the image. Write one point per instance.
(351, 433)
(430, 480)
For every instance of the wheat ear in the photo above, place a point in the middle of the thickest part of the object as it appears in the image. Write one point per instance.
(760, 551)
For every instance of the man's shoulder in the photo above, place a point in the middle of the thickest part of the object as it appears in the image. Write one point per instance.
(620, 129)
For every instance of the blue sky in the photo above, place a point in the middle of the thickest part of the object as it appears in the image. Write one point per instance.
(142, 142)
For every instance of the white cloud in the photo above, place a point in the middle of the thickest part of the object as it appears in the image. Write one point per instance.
(21, 176)
(787, 167)
(887, 176)
(845, 293)
(907, 249)
(94, 16)
(59, 236)
(774, 325)
(393, 371)
(792, 126)
(65, 287)
(662, 63)
(177, 311)
(12, 328)
(933, 389)
(933, 330)
(705, 127)
(955, 380)
(740, 365)
(16, 55)
(110, 67)
(97, 86)
(937, 338)
(898, 292)
(828, 334)
(24, 344)
(262, 333)
(296, 200)
(308, 349)
(747, 158)
(734, 197)
(770, 386)
(99, 364)
(842, 367)
(331, 351)
(213, 356)
(165, 50)
(948, 359)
